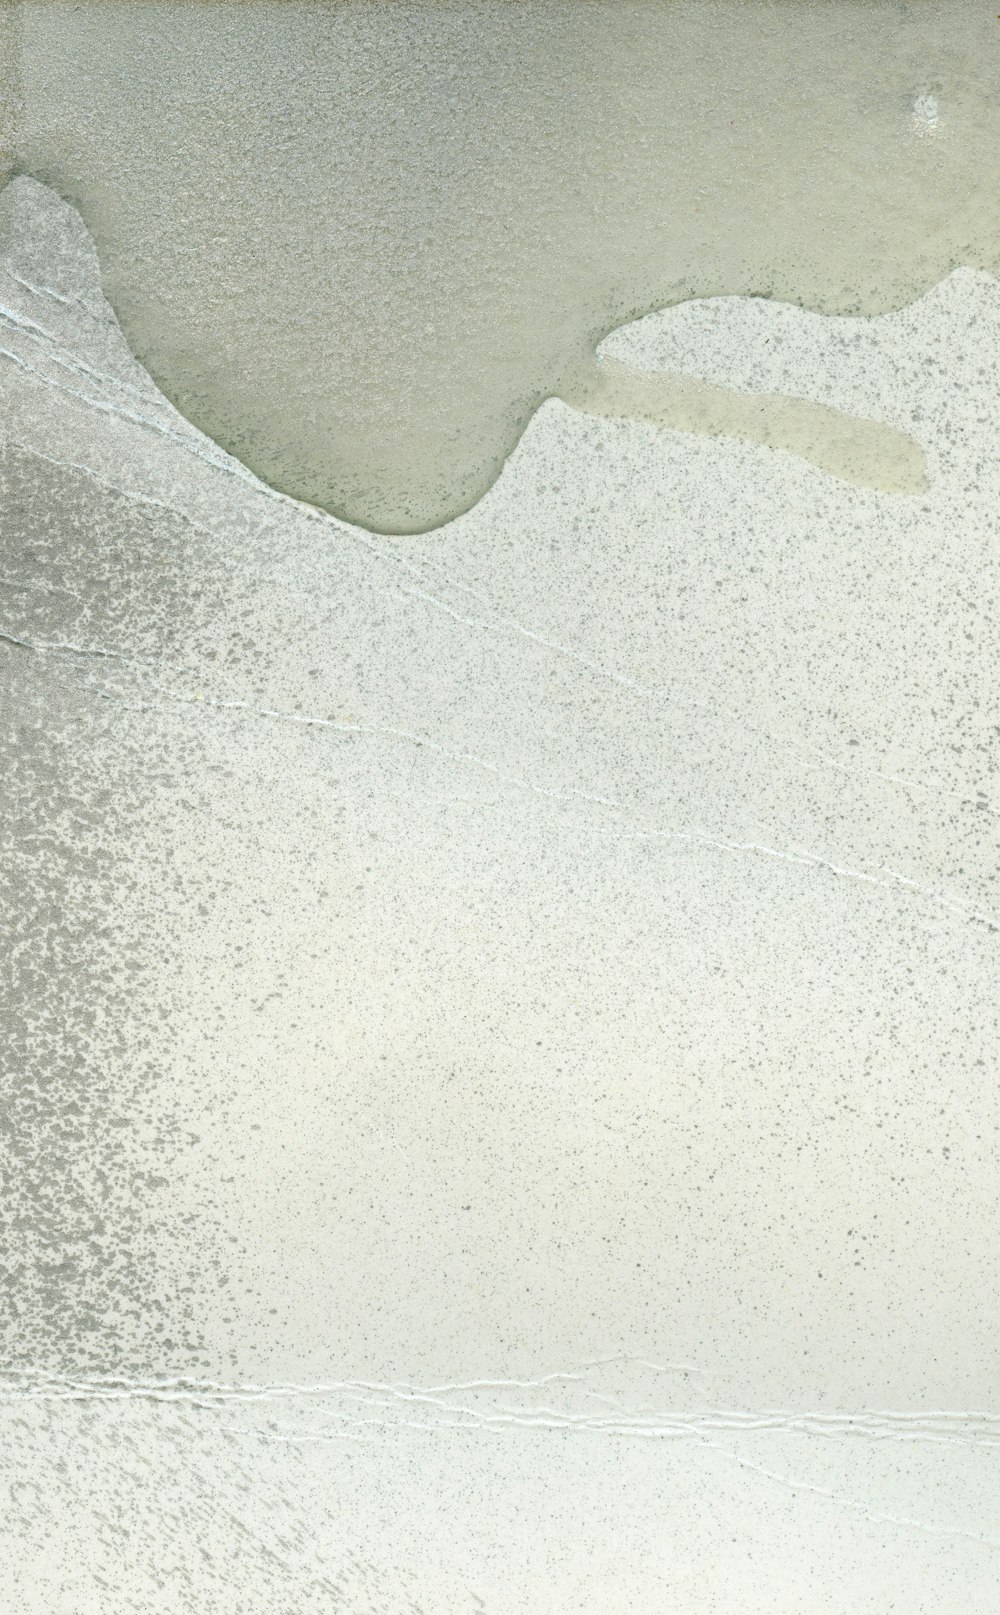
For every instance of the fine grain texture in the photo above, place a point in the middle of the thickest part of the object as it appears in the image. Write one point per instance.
(501, 1108)
(358, 242)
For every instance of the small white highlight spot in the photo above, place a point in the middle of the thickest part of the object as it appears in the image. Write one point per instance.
(926, 115)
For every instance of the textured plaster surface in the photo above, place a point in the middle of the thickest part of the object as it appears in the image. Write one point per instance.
(500, 1108)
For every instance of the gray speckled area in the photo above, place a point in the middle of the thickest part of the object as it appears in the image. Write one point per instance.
(501, 1109)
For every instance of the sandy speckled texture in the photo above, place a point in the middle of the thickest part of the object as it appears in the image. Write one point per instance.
(359, 241)
(503, 1108)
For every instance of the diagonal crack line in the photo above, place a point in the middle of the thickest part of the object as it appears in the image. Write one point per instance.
(377, 731)
(190, 441)
(890, 879)
(68, 360)
(510, 625)
(875, 1515)
(184, 439)
(886, 878)
(501, 623)
(716, 713)
(131, 494)
(59, 647)
(75, 303)
(65, 648)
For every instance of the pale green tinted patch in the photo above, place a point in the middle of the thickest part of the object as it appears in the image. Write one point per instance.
(10, 89)
(866, 452)
(358, 243)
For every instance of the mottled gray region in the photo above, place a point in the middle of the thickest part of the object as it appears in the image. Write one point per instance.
(88, 1128)
(501, 1106)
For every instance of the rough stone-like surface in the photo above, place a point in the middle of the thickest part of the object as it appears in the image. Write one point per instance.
(358, 241)
(501, 1105)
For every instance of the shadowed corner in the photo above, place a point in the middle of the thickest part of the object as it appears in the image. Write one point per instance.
(862, 451)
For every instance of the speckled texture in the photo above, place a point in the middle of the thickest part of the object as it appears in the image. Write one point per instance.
(358, 241)
(523, 998)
